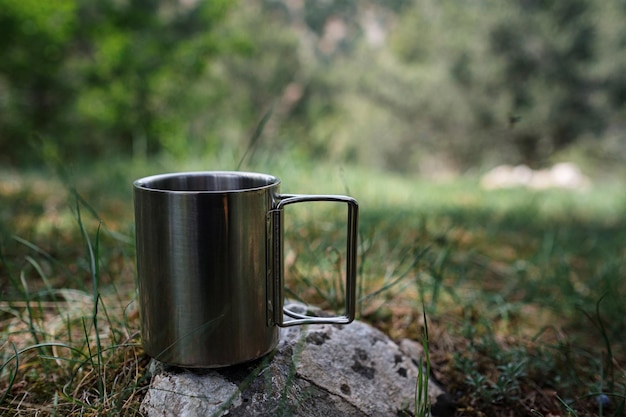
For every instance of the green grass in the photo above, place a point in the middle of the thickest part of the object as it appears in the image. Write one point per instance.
(523, 290)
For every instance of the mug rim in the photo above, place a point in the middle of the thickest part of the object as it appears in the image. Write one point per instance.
(145, 182)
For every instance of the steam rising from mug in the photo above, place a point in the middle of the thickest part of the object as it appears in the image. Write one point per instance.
(210, 266)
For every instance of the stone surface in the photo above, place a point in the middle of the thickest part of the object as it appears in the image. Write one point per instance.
(316, 370)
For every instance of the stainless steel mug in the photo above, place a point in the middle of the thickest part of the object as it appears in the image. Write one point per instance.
(210, 266)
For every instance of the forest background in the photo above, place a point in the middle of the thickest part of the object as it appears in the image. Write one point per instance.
(411, 86)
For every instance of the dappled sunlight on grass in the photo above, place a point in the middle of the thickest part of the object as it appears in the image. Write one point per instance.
(70, 341)
(533, 279)
(509, 276)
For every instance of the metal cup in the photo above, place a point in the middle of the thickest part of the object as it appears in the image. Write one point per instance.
(210, 266)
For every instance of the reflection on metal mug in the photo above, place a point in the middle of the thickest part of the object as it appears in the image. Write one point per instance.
(210, 266)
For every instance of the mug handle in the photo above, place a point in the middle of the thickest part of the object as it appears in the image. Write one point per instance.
(351, 249)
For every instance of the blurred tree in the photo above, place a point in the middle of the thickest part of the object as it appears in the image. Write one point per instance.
(545, 55)
(384, 82)
(143, 60)
(432, 116)
(294, 65)
(34, 43)
(91, 77)
(522, 79)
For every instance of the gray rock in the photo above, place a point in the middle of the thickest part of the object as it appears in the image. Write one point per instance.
(317, 370)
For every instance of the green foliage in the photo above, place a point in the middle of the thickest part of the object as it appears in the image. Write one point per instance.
(99, 78)
(546, 56)
(411, 86)
(522, 76)
(34, 39)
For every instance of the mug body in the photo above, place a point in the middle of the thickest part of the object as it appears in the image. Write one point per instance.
(204, 263)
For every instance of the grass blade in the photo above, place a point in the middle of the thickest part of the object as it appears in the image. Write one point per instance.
(422, 402)
(13, 375)
(255, 137)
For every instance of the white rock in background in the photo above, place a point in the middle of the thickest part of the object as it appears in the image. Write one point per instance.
(317, 370)
(568, 175)
(507, 176)
(563, 175)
